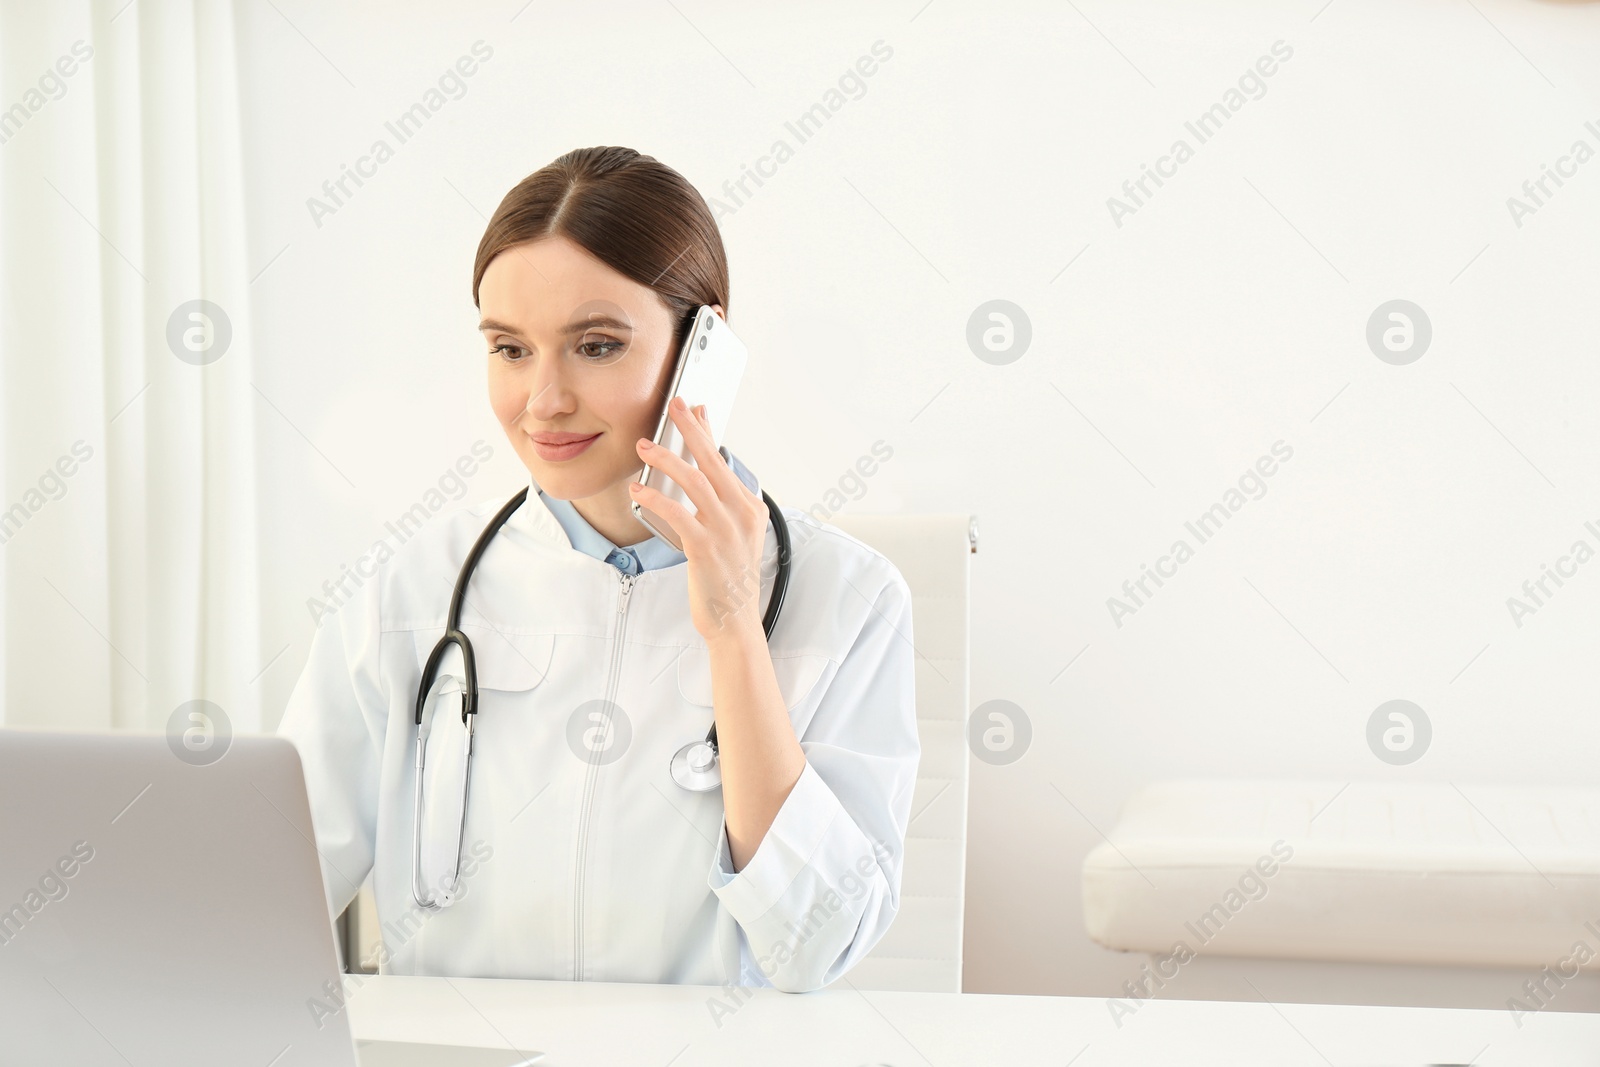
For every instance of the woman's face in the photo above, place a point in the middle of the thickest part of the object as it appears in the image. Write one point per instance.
(577, 353)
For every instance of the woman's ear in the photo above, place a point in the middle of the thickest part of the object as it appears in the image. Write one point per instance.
(718, 309)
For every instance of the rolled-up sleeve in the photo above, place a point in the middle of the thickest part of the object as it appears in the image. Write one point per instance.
(336, 719)
(824, 884)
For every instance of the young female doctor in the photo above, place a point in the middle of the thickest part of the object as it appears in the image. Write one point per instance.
(581, 845)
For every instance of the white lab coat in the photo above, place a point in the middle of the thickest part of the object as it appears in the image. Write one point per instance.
(609, 871)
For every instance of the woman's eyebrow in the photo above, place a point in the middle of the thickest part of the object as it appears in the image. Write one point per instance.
(576, 326)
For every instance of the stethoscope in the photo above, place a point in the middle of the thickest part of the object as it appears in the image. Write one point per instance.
(694, 767)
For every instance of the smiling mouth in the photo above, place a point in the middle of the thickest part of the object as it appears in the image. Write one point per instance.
(561, 438)
(555, 447)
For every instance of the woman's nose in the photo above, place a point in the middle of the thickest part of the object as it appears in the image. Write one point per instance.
(539, 405)
(547, 393)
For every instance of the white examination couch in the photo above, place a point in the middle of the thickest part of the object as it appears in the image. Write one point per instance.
(1435, 894)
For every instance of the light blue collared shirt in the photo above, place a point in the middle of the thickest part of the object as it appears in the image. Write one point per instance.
(646, 555)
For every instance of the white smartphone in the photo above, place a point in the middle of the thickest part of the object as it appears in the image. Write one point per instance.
(710, 366)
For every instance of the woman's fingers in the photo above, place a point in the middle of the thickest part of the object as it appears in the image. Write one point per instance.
(685, 525)
(696, 431)
(694, 481)
(706, 481)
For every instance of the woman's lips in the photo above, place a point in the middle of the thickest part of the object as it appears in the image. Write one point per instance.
(554, 447)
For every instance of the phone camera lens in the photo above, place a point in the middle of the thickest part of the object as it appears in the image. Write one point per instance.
(702, 342)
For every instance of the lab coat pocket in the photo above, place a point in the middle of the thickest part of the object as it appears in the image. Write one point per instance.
(509, 662)
(797, 676)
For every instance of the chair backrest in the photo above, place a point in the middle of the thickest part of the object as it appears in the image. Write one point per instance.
(922, 949)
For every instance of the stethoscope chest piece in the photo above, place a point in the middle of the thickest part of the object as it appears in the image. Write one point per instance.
(695, 767)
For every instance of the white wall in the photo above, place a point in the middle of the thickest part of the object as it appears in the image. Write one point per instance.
(1226, 314)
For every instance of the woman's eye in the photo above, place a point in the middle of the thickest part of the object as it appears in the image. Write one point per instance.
(592, 351)
(599, 351)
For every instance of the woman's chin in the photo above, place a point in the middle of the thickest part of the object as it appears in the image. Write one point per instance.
(563, 482)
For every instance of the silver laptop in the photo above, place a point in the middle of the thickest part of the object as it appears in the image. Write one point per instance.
(160, 908)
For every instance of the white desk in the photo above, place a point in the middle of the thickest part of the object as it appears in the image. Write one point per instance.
(662, 1025)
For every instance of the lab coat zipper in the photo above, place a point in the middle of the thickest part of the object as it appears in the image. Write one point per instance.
(590, 776)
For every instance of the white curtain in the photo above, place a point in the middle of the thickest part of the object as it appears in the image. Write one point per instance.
(129, 577)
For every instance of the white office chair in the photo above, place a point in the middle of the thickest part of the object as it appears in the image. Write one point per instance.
(922, 950)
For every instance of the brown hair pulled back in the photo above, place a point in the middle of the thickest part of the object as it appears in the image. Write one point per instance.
(636, 215)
